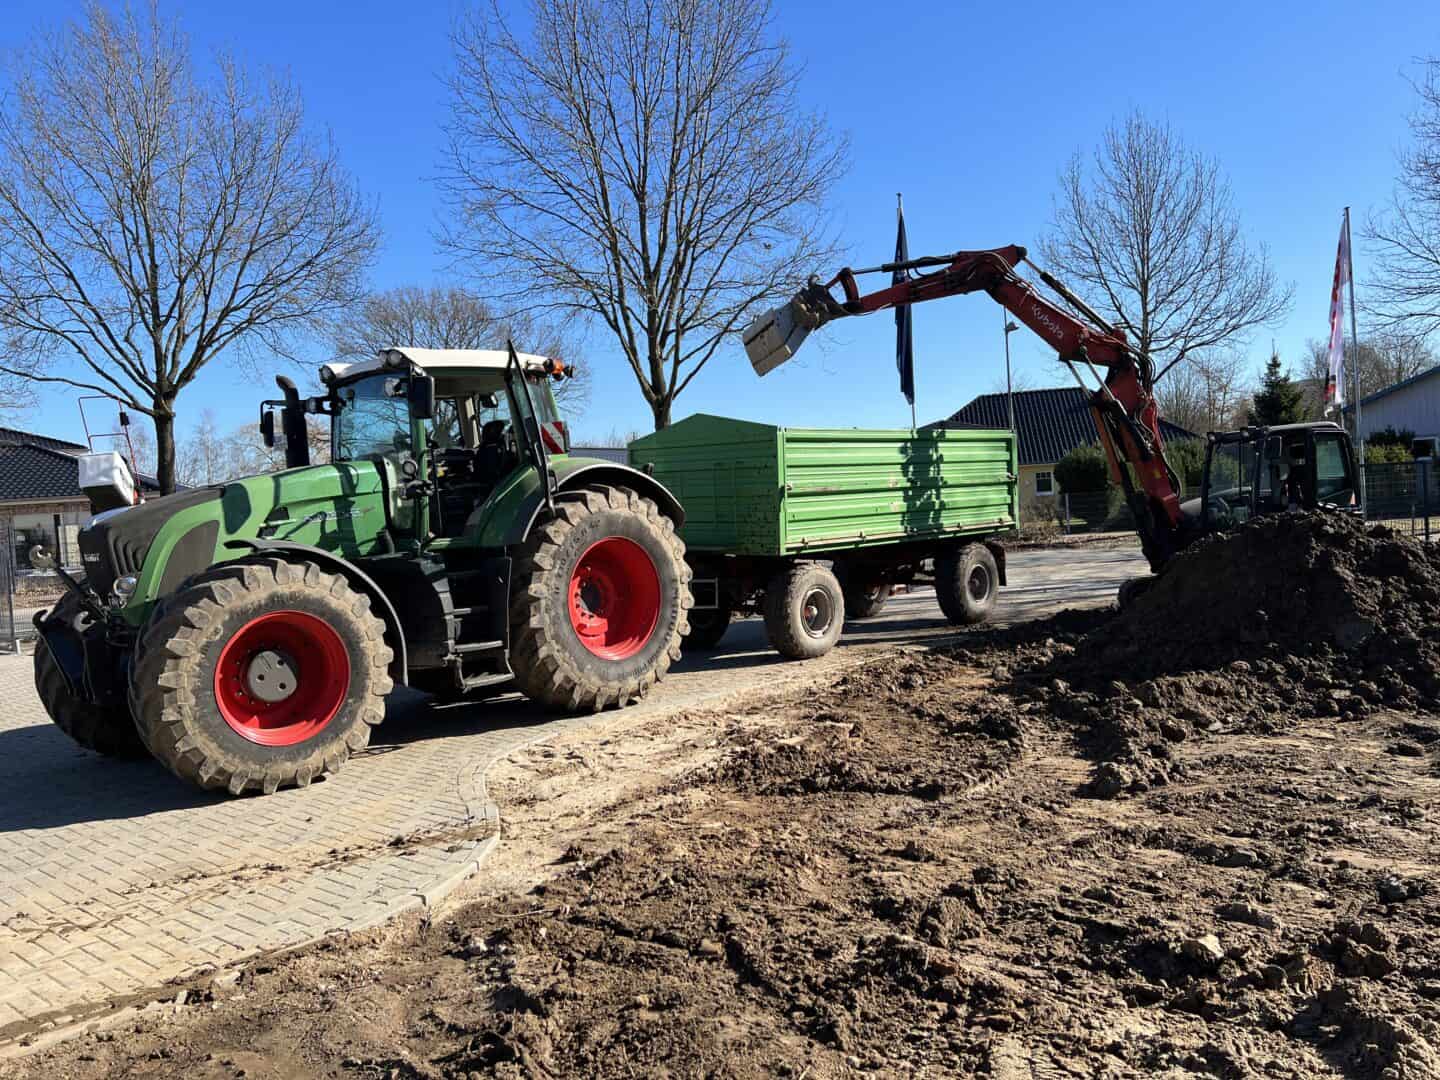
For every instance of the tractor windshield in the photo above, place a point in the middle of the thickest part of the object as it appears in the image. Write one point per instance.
(372, 419)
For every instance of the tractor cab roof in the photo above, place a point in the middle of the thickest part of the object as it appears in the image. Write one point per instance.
(451, 362)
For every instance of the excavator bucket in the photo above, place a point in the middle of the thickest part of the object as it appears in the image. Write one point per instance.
(776, 336)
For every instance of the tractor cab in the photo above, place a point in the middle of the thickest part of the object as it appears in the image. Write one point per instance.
(1267, 470)
(450, 426)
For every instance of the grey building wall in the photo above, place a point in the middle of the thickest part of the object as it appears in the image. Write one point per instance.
(1412, 406)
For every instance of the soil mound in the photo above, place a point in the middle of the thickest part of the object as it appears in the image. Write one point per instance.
(1297, 584)
(1287, 618)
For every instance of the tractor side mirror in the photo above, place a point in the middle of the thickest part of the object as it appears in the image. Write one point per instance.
(422, 397)
(267, 427)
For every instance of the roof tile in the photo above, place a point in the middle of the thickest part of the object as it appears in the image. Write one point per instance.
(1049, 423)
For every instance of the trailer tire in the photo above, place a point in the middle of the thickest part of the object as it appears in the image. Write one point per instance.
(865, 601)
(967, 583)
(804, 611)
(707, 627)
(573, 647)
(193, 688)
(107, 731)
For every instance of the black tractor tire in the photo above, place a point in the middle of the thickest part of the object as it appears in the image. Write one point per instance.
(866, 600)
(707, 627)
(210, 728)
(967, 584)
(804, 611)
(108, 731)
(609, 565)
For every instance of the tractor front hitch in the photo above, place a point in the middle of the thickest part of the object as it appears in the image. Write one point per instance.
(92, 656)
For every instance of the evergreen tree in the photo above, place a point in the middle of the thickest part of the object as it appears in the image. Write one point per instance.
(1279, 400)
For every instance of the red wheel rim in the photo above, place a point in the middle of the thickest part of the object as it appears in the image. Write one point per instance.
(614, 598)
(295, 659)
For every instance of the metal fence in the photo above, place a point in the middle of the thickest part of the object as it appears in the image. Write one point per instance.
(1092, 511)
(1404, 495)
(9, 639)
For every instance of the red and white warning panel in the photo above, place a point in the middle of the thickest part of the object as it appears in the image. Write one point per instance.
(553, 434)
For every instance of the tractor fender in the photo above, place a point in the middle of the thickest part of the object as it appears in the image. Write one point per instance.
(399, 666)
(528, 510)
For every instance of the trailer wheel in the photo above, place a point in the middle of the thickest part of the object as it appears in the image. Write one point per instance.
(967, 583)
(804, 611)
(600, 599)
(866, 600)
(108, 731)
(260, 674)
(707, 627)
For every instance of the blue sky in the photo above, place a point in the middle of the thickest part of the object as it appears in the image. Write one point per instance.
(969, 109)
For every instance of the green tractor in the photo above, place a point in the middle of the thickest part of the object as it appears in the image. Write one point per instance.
(247, 634)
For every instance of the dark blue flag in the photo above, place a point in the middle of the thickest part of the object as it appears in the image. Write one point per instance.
(904, 347)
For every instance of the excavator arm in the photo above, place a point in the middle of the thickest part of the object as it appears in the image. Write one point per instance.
(1122, 406)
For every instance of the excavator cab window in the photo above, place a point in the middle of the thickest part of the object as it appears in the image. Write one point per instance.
(1334, 486)
(1231, 468)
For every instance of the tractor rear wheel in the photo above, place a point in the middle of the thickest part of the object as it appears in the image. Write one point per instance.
(108, 731)
(599, 601)
(260, 674)
(967, 583)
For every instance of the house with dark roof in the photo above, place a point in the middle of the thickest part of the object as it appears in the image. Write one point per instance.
(40, 497)
(1048, 425)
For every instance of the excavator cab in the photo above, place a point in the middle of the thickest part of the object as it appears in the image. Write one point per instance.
(1267, 470)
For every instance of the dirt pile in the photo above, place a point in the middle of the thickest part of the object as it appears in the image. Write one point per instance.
(1293, 584)
(1288, 618)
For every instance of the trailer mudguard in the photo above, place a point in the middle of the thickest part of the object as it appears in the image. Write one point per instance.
(394, 629)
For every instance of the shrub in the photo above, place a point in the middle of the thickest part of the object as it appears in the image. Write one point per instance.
(1083, 469)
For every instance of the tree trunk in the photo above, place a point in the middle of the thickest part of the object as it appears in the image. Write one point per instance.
(661, 409)
(164, 448)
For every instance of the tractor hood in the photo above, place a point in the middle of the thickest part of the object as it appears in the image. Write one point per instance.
(115, 544)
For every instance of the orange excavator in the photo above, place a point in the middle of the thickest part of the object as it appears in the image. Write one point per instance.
(1252, 471)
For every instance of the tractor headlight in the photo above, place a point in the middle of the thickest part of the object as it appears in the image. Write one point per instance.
(125, 587)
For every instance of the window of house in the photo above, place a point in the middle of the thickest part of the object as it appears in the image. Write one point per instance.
(1044, 483)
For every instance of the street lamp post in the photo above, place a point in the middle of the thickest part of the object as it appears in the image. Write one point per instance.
(1010, 327)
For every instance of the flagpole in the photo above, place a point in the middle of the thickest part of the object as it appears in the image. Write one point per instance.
(1355, 352)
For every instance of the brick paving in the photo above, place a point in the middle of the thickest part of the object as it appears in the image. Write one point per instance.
(115, 877)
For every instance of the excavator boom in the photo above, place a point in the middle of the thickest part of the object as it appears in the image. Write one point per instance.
(1123, 406)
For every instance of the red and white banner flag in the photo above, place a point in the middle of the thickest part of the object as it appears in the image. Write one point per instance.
(1335, 381)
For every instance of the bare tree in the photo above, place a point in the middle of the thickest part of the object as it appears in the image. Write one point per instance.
(1146, 232)
(643, 162)
(203, 458)
(1404, 287)
(451, 318)
(1209, 393)
(150, 219)
(1382, 358)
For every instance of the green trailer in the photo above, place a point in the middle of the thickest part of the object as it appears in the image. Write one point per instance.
(809, 526)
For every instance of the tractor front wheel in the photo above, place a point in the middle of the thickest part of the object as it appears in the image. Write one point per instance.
(599, 601)
(260, 674)
(107, 730)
